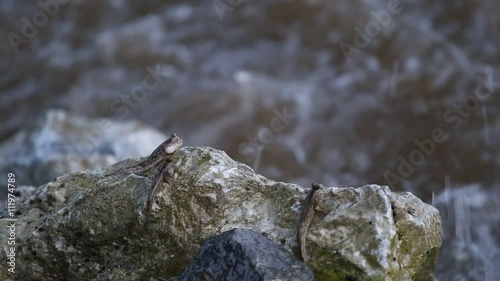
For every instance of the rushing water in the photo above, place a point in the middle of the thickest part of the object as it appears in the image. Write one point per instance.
(348, 93)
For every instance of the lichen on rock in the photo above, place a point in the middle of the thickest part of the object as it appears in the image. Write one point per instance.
(90, 225)
(371, 233)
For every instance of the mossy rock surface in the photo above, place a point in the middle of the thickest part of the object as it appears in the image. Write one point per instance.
(90, 225)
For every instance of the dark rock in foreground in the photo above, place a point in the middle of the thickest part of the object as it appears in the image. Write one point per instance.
(241, 254)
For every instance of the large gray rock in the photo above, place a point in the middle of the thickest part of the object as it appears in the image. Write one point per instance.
(90, 225)
(371, 233)
(242, 254)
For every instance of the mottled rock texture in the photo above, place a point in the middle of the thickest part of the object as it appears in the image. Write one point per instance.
(90, 225)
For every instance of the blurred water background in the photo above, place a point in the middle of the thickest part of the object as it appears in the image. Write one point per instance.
(345, 93)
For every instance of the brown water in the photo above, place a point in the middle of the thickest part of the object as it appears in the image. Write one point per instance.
(343, 93)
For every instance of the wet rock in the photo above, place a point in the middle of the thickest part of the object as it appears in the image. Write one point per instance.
(90, 225)
(242, 254)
